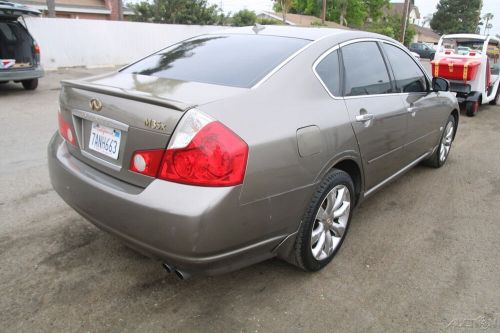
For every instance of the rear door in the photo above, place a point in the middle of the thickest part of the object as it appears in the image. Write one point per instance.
(378, 116)
(425, 108)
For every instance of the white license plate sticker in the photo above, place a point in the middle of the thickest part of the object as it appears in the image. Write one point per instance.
(105, 140)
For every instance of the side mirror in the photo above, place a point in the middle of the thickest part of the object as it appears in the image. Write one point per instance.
(440, 84)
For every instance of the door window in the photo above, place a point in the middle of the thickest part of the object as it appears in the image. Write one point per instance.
(365, 70)
(409, 77)
(328, 71)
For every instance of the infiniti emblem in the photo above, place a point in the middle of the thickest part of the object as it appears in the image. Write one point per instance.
(95, 104)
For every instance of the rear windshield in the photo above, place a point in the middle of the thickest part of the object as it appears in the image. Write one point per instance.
(230, 60)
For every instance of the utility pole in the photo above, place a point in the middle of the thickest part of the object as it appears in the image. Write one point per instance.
(51, 8)
(405, 21)
(323, 12)
(120, 10)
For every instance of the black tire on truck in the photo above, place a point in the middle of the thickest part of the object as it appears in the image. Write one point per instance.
(30, 84)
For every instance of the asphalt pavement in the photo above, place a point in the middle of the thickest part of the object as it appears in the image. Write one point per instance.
(422, 255)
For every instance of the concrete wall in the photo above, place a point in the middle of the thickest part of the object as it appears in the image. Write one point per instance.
(91, 43)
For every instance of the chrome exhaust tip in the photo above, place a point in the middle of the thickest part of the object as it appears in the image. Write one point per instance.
(182, 275)
(168, 267)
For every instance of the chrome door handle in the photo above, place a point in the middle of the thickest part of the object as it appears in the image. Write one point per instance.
(364, 117)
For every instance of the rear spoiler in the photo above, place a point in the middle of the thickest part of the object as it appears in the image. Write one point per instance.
(129, 94)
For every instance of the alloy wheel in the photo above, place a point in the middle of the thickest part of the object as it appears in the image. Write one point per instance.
(446, 142)
(330, 222)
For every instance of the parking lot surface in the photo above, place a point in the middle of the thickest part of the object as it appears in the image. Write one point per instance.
(422, 255)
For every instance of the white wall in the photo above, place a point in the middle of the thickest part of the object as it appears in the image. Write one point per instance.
(94, 43)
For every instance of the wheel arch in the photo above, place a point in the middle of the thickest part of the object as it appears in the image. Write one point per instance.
(353, 169)
(455, 114)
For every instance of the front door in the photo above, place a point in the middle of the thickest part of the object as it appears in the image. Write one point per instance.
(425, 108)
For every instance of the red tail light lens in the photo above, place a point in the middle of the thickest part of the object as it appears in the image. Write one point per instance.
(147, 162)
(65, 130)
(201, 152)
(36, 47)
(214, 157)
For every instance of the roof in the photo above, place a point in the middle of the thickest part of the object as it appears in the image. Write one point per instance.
(398, 8)
(311, 33)
(301, 20)
(427, 32)
(471, 36)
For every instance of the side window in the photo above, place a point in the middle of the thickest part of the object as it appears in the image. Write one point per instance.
(409, 77)
(365, 70)
(328, 71)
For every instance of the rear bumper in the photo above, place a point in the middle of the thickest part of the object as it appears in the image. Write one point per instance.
(195, 229)
(21, 74)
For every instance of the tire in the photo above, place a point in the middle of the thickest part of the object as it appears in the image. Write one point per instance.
(497, 97)
(30, 84)
(440, 156)
(334, 194)
(471, 108)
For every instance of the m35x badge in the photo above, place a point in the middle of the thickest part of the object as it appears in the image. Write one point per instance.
(95, 104)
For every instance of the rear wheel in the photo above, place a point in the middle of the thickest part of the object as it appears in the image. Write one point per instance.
(30, 84)
(497, 97)
(325, 222)
(471, 108)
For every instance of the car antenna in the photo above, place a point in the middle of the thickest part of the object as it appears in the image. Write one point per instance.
(258, 27)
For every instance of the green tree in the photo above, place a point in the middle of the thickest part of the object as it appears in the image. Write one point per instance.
(375, 8)
(177, 12)
(391, 27)
(243, 18)
(282, 6)
(347, 12)
(456, 16)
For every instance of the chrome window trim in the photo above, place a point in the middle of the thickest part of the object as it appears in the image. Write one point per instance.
(316, 63)
(339, 46)
(412, 58)
(286, 61)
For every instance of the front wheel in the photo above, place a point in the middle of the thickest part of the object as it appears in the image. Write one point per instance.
(325, 222)
(440, 156)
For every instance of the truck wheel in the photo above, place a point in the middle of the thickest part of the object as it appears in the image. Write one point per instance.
(325, 222)
(497, 97)
(30, 84)
(471, 108)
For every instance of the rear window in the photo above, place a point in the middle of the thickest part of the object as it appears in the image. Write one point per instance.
(230, 60)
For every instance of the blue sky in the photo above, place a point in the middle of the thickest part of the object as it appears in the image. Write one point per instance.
(425, 7)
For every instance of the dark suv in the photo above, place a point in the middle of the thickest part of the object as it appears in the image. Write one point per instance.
(19, 53)
(424, 50)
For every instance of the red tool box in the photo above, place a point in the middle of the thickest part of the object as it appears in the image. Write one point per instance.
(462, 69)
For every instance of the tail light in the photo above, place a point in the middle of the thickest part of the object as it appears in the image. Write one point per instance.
(36, 47)
(65, 130)
(147, 162)
(202, 151)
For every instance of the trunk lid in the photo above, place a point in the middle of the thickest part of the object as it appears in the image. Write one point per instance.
(138, 112)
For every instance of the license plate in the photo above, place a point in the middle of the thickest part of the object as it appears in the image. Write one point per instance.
(105, 140)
